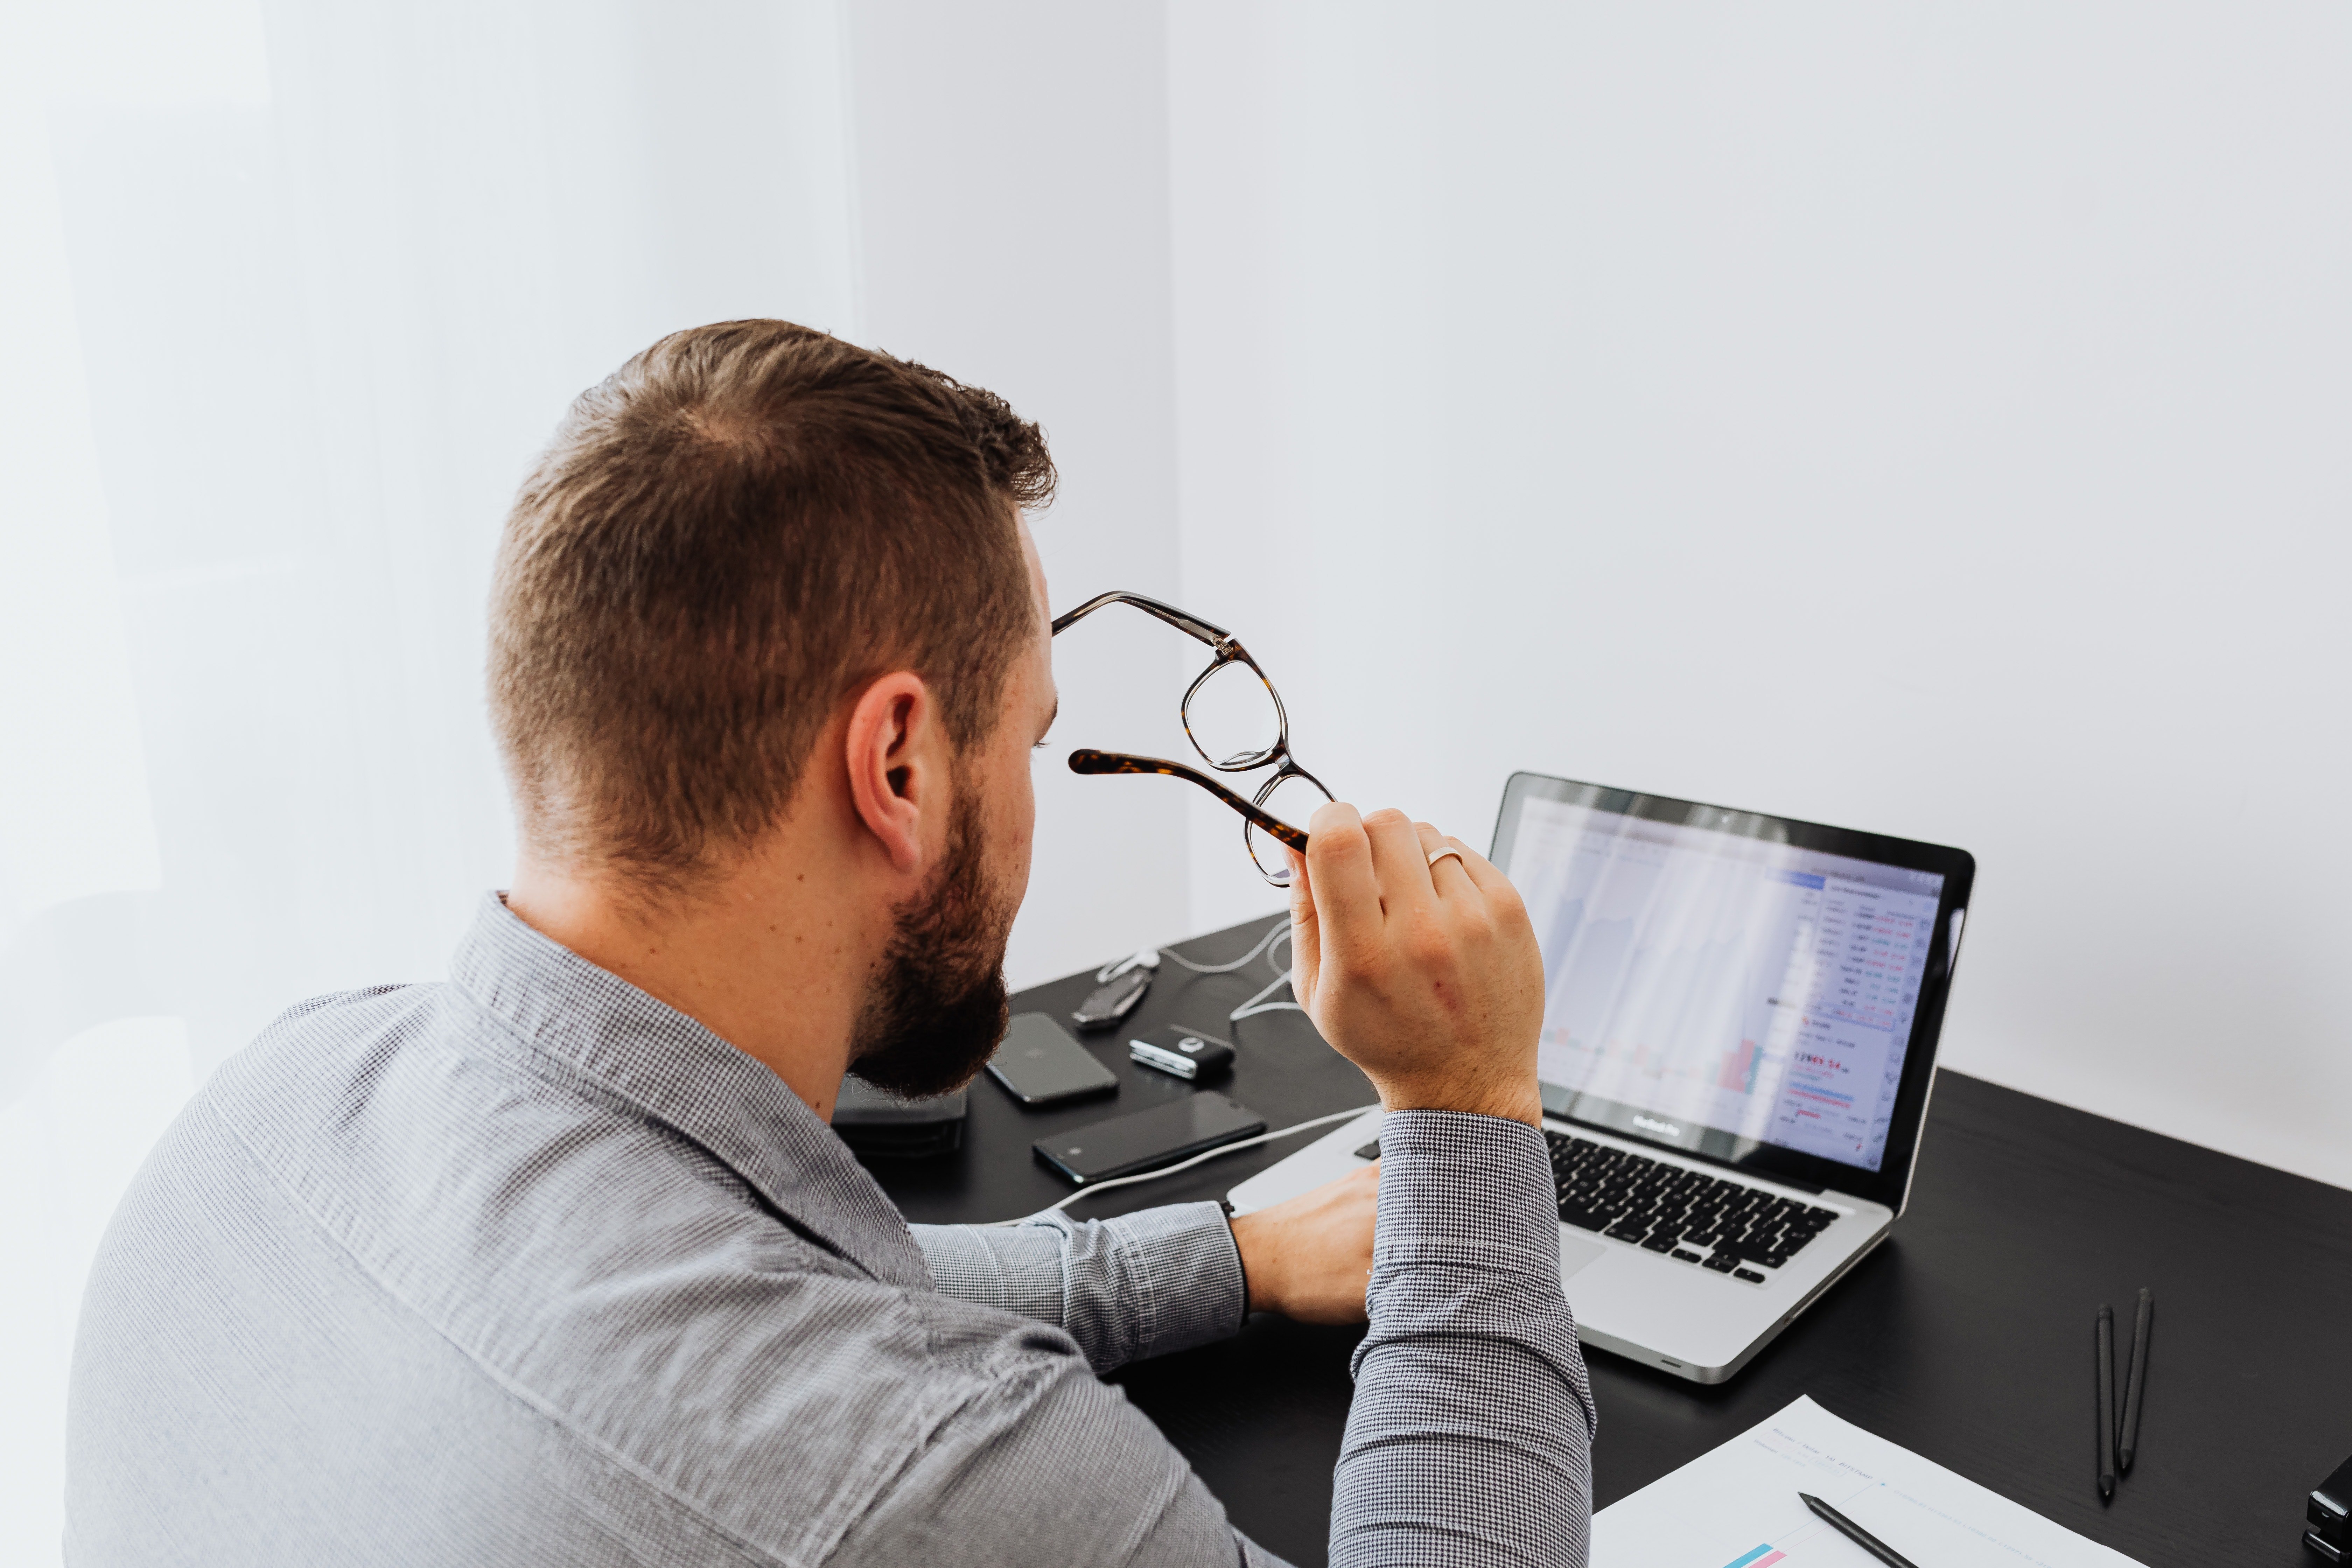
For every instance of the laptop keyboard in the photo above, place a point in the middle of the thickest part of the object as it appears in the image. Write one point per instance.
(1686, 1213)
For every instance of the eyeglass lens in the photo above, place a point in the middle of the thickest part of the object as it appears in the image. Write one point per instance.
(1293, 797)
(1233, 717)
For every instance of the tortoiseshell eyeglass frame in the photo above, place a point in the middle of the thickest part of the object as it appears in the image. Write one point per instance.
(1227, 649)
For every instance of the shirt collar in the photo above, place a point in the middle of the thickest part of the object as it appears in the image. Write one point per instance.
(557, 1005)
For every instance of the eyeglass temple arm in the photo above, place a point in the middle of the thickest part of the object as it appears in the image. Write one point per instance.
(1087, 760)
(1215, 636)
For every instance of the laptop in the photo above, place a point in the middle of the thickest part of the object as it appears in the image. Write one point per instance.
(1740, 1017)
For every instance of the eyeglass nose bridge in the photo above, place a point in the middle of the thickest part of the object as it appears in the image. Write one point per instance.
(1230, 651)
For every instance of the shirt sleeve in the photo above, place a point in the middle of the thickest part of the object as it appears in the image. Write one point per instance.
(1124, 1288)
(1040, 1463)
(1470, 1436)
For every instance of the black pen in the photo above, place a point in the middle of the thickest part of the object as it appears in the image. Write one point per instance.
(2106, 1403)
(2129, 1441)
(1855, 1533)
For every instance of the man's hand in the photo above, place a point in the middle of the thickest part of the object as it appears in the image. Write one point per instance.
(1425, 976)
(1311, 1257)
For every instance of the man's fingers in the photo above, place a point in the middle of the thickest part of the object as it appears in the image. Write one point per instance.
(1346, 895)
(1449, 875)
(1306, 936)
(1398, 859)
(1480, 870)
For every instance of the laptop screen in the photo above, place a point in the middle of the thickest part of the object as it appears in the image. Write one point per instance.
(1714, 981)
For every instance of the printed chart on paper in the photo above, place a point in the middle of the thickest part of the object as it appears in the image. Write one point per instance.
(1737, 1507)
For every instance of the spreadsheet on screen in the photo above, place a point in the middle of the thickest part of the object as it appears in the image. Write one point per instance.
(1723, 980)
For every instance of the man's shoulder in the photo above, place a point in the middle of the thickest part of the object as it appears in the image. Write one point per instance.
(661, 1361)
(600, 1270)
(319, 1045)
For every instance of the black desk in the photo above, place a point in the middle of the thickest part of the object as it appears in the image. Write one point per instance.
(1966, 1337)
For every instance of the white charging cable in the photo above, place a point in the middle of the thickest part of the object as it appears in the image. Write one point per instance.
(1150, 958)
(1185, 1165)
(1258, 1004)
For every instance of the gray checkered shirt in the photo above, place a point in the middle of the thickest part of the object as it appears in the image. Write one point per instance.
(527, 1267)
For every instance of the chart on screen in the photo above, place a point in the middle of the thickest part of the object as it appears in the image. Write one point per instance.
(1738, 1507)
(1739, 984)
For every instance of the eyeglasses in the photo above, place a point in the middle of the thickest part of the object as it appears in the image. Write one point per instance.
(1234, 719)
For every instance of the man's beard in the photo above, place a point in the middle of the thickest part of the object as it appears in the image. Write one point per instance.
(934, 1015)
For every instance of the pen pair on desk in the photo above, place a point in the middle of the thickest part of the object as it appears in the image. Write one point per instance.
(2118, 1442)
(2117, 1446)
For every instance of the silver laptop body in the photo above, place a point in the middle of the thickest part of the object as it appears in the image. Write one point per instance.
(1739, 1038)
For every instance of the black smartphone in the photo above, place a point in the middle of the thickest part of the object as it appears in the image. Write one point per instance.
(1040, 1064)
(1147, 1139)
(1108, 1003)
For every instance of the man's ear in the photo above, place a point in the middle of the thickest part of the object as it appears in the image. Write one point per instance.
(892, 745)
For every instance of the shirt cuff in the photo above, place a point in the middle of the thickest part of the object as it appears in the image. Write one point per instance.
(1182, 1274)
(1141, 1285)
(1458, 1187)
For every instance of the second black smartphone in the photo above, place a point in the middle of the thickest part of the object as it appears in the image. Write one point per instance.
(1040, 1064)
(1146, 1139)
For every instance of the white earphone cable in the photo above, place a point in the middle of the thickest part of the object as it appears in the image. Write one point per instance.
(1150, 958)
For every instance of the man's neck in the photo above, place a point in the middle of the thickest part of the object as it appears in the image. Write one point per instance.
(769, 959)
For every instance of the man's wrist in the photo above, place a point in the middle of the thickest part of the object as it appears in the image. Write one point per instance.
(1519, 1101)
(1252, 1245)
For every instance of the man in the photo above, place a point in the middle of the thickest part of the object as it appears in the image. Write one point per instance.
(559, 1262)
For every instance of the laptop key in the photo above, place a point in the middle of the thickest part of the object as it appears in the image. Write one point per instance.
(1667, 1207)
(1684, 1254)
(1747, 1274)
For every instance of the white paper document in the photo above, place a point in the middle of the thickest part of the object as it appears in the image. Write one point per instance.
(1737, 1507)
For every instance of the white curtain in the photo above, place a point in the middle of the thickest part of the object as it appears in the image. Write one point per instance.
(287, 301)
(289, 295)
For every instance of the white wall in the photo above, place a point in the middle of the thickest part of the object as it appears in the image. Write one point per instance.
(1012, 185)
(1923, 419)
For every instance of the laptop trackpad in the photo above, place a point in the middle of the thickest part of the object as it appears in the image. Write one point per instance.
(1576, 1254)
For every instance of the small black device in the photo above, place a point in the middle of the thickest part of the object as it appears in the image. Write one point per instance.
(1114, 1000)
(2328, 1513)
(1040, 1064)
(874, 1124)
(1146, 1139)
(1182, 1053)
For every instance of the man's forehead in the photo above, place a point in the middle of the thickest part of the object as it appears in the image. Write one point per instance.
(1036, 562)
(1044, 606)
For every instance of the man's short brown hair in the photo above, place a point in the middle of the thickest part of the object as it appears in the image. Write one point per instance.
(735, 531)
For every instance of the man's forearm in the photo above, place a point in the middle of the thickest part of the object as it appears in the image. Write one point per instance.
(1141, 1285)
(1470, 1436)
